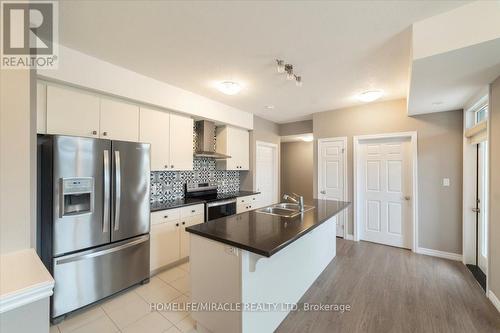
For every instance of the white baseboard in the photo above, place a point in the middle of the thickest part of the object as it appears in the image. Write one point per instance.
(494, 299)
(349, 237)
(440, 254)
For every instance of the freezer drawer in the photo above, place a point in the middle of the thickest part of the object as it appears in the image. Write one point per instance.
(85, 277)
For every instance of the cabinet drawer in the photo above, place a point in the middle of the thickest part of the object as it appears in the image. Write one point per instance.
(192, 210)
(165, 216)
(251, 199)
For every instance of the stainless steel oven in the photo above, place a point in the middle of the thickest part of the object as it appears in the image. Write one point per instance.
(216, 204)
(217, 209)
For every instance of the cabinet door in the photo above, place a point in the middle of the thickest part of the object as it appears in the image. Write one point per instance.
(154, 129)
(70, 112)
(238, 147)
(184, 237)
(181, 142)
(41, 108)
(164, 244)
(119, 121)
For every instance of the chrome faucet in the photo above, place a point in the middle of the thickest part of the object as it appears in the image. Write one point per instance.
(298, 199)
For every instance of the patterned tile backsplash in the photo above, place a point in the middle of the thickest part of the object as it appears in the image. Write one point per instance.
(169, 185)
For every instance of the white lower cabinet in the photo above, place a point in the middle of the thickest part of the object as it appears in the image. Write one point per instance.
(244, 204)
(184, 237)
(169, 240)
(164, 244)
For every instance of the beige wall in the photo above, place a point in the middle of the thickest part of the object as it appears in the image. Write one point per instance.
(494, 232)
(263, 130)
(297, 127)
(297, 168)
(17, 160)
(439, 156)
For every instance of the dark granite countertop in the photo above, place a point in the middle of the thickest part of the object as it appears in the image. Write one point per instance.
(267, 234)
(181, 202)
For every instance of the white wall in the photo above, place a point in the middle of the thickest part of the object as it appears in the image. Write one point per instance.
(79, 69)
(17, 160)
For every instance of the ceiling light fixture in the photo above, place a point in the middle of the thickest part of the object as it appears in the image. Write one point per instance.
(370, 95)
(289, 72)
(269, 107)
(298, 81)
(229, 87)
(287, 69)
(308, 138)
(280, 66)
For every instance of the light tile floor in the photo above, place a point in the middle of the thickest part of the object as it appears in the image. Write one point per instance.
(131, 311)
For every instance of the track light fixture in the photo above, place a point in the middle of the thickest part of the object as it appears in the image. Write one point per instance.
(284, 68)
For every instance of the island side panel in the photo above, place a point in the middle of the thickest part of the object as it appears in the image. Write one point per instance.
(285, 276)
(215, 277)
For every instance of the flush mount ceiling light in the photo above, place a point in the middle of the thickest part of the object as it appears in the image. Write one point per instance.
(308, 138)
(370, 95)
(287, 69)
(228, 87)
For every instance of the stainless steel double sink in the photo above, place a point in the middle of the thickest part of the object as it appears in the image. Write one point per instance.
(284, 209)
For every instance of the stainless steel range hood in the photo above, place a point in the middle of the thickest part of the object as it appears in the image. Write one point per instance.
(205, 142)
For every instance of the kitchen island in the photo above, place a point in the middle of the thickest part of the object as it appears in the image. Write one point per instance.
(252, 268)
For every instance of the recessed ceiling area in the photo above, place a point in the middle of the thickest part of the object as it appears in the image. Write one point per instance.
(340, 48)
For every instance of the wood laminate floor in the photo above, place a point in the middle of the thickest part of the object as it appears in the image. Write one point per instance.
(394, 290)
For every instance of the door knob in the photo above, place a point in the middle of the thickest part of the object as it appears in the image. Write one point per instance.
(407, 198)
(323, 192)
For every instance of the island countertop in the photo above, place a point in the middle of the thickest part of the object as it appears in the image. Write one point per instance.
(266, 234)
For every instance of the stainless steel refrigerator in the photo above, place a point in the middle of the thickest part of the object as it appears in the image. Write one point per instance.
(93, 217)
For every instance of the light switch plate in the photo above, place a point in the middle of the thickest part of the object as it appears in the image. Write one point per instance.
(446, 182)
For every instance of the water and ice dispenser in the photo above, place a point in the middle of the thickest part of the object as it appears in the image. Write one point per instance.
(77, 196)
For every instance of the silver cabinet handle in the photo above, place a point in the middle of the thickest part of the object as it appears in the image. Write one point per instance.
(476, 210)
(118, 189)
(105, 218)
(105, 133)
(94, 132)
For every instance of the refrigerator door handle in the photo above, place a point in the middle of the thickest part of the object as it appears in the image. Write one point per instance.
(105, 218)
(92, 254)
(118, 188)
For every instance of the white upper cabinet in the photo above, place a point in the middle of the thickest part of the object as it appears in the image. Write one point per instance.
(119, 120)
(72, 112)
(154, 129)
(181, 142)
(234, 142)
(171, 139)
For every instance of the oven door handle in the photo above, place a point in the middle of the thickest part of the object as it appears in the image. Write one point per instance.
(220, 203)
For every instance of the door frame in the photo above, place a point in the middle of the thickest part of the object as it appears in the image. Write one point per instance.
(345, 193)
(276, 166)
(414, 163)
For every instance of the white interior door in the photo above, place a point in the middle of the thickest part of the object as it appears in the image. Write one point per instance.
(386, 186)
(266, 165)
(331, 175)
(482, 256)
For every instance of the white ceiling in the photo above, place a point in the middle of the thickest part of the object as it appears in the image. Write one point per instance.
(339, 47)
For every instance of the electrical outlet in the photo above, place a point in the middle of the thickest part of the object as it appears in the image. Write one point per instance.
(232, 251)
(446, 182)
